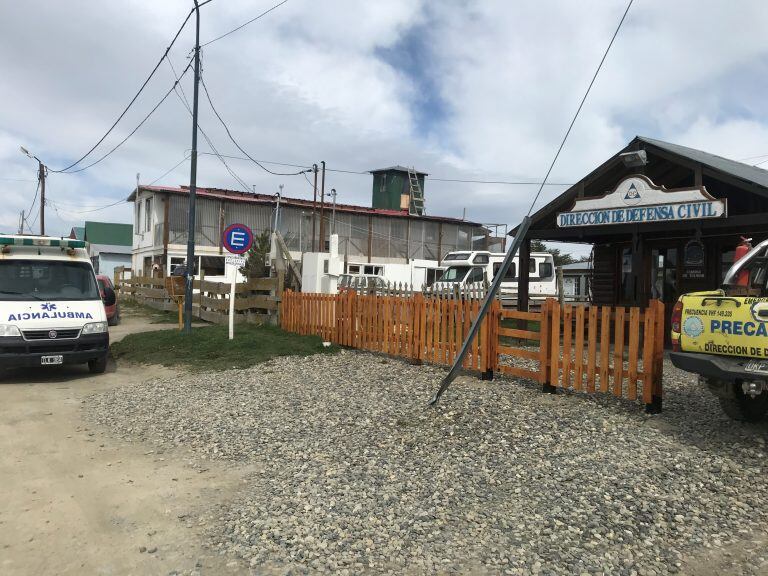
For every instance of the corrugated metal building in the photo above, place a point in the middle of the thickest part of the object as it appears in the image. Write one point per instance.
(372, 235)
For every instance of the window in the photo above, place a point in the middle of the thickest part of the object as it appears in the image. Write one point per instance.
(353, 268)
(432, 275)
(370, 269)
(476, 275)
(325, 266)
(47, 280)
(137, 225)
(148, 214)
(457, 256)
(545, 271)
(454, 274)
(480, 259)
(175, 261)
(511, 272)
(532, 266)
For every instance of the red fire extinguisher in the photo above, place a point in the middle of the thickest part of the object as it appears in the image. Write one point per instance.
(741, 250)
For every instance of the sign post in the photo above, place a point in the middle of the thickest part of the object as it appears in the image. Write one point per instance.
(237, 239)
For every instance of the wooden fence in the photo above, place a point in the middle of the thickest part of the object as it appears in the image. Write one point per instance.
(256, 300)
(588, 349)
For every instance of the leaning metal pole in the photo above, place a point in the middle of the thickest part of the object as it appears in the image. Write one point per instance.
(497, 279)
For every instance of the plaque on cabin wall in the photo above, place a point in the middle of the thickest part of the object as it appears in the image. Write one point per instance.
(694, 261)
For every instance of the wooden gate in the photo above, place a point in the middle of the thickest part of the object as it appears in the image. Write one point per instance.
(607, 349)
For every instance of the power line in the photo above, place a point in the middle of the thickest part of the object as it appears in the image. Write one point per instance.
(306, 166)
(141, 89)
(229, 133)
(132, 132)
(581, 104)
(244, 24)
(34, 199)
(232, 173)
(170, 170)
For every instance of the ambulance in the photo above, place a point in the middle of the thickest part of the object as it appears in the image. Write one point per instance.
(722, 335)
(51, 310)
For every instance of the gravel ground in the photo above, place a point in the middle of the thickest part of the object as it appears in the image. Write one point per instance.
(357, 476)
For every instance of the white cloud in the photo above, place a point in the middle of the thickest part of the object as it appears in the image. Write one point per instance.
(307, 82)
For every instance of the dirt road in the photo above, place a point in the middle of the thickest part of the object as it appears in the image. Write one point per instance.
(75, 501)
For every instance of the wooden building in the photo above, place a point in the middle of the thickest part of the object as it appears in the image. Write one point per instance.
(663, 219)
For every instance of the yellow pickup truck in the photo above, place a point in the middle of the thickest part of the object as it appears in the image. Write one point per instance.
(722, 335)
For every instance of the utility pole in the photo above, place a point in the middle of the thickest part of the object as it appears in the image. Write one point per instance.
(322, 210)
(192, 185)
(41, 173)
(41, 176)
(21, 223)
(313, 244)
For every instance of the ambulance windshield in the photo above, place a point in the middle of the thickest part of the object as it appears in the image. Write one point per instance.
(47, 280)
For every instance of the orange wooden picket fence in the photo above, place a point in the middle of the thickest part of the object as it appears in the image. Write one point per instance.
(592, 349)
(417, 328)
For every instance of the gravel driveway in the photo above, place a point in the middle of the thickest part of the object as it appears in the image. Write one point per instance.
(357, 476)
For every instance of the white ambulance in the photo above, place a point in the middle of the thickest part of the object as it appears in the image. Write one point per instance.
(51, 311)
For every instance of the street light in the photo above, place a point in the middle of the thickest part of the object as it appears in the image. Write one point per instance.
(41, 171)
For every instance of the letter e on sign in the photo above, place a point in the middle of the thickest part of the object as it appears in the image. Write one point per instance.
(237, 238)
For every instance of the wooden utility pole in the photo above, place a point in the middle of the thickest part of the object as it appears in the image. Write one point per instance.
(190, 272)
(322, 210)
(41, 176)
(313, 244)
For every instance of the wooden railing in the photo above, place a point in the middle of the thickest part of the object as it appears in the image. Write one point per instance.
(257, 300)
(589, 349)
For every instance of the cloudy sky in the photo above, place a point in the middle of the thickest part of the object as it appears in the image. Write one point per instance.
(479, 90)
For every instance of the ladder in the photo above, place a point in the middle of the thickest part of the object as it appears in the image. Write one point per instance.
(416, 204)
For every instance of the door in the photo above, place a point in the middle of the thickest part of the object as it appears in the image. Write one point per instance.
(664, 280)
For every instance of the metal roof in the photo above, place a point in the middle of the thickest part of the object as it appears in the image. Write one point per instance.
(575, 266)
(745, 172)
(738, 169)
(237, 196)
(398, 168)
(109, 233)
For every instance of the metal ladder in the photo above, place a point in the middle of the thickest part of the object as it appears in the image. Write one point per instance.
(416, 204)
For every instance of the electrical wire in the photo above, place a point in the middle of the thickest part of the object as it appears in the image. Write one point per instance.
(244, 24)
(305, 166)
(132, 132)
(229, 133)
(133, 100)
(581, 104)
(169, 170)
(34, 199)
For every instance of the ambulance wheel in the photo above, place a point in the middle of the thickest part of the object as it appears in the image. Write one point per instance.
(98, 366)
(744, 408)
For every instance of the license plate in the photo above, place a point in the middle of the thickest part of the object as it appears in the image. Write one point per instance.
(758, 366)
(47, 360)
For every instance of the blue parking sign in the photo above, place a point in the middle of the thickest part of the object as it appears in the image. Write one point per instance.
(237, 238)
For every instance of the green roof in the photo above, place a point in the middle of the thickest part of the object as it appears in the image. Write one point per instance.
(78, 232)
(109, 233)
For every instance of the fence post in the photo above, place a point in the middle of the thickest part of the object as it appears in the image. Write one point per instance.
(657, 377)
(490, 337)
(649, 348)
(545, 331)
(551, 315)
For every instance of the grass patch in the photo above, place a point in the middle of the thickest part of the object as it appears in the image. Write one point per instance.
(155, 316)
(209, 348)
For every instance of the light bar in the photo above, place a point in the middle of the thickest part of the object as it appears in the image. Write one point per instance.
(41, 241)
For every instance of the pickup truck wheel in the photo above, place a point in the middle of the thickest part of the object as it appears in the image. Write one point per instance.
(744, 408)
(98, 366)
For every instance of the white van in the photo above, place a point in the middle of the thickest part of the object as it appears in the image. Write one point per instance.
(473, 269)
(51, 311)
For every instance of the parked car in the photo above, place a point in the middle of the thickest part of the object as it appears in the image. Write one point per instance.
(109, 297)
(722, 335)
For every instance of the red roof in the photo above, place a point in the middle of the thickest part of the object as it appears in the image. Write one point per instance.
(237, 196)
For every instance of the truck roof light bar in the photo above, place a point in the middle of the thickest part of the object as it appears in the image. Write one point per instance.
(41, 241)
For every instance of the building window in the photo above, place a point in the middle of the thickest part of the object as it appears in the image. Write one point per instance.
(175, 262)
(370, 269)
(353, 269)
(137, 225)
(148, 214)
(325, 266)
